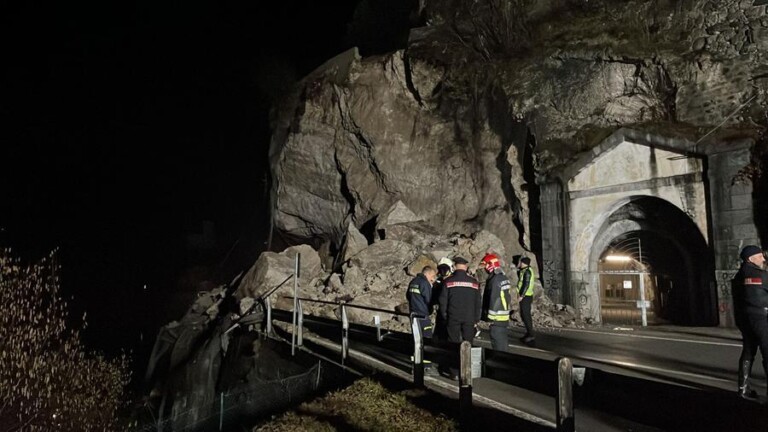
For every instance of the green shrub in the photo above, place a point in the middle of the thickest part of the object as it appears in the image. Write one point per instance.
(47, 380)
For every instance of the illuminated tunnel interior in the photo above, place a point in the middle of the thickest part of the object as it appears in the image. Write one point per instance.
(664, 243)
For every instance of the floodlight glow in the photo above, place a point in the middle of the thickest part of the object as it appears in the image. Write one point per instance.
(618, 258)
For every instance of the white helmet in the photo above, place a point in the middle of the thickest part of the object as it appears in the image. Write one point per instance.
(447, 261)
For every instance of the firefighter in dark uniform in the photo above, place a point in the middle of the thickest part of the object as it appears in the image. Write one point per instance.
(525, 283)
(750, 301)
(460, 303)
(419, 297)
(496, 302)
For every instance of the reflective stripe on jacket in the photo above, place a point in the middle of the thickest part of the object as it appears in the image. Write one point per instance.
(497, 298)
(461, 299)
(525, 281)
(419, 295)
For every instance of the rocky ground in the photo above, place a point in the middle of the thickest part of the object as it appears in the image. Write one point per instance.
(377, 274)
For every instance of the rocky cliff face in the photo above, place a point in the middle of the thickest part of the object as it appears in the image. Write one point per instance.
(447, 126)
(360, 138)
(486, 97)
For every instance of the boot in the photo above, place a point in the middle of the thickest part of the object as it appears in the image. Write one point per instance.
(745, 368)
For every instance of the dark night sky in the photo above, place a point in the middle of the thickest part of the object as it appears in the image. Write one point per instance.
(128, 125)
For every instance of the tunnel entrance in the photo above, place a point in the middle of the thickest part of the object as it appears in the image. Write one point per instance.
(650, 253)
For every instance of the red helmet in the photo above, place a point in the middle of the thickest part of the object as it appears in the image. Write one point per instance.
(491, 262)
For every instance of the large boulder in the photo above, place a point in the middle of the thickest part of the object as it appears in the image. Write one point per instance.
(354, 242)
(355, 143)
(419, 234)
(384, 254)
(271, 269)
(398, 213)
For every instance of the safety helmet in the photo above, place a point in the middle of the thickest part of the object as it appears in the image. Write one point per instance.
(491, 262)
(446, 261)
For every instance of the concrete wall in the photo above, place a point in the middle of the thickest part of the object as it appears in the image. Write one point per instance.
(732, 220)
(554, 247)
(577, 201)
(628, 163)
(612, 180)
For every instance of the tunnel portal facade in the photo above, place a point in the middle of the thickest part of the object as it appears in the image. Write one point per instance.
(644, 206)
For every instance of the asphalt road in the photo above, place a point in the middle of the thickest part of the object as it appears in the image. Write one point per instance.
(696, 359)
(628, 375)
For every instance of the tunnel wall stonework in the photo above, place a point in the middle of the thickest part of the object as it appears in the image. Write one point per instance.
(554, 248)
(733, 224)
(577, 200)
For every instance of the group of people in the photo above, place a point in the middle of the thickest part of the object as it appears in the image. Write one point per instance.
(461, 304)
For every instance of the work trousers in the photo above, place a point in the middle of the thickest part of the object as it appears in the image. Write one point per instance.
(499, 336)
(460, 331)
(457, 333)
(426, 327)
(753, 325)
(525, 314)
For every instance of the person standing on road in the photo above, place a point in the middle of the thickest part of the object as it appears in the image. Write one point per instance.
(525, 282)
(444, 269)
(460, 303)
(750, 301)
(419, 297)
(496, 302)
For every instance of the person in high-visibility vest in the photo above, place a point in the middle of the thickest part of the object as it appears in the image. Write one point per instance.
(496, 302)
(525, 282)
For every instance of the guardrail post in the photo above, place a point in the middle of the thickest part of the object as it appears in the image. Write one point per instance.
(268, 306)
(377, 323)
(465, 380)
(295, 301)
(300, 330)
(344, 333)
(221, 412)
(418, 353)
(565, 419)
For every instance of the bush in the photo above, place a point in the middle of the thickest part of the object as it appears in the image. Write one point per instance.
(47, 380)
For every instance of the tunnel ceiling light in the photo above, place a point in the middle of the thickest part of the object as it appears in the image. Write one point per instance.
(618, 258)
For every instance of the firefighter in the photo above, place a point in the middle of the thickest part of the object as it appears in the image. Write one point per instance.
(419, 297)
(496, 301)
(750, 301)
(525, 282)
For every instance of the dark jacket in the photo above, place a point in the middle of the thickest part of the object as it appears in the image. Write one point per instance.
(750, 288)
(496, 297)
(460, 300)
(419, 295)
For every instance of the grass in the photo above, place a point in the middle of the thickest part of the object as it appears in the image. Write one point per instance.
(366, 405)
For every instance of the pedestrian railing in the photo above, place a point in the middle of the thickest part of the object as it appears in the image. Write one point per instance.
(564, 414)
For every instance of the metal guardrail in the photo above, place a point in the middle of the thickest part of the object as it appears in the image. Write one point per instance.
(418, 353)
(564, 398)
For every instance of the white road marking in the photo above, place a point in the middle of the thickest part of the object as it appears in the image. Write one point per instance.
(656, 369)
(702, 342)
(631, 365)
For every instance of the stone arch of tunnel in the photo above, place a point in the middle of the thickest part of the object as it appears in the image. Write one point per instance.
(666, 243)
